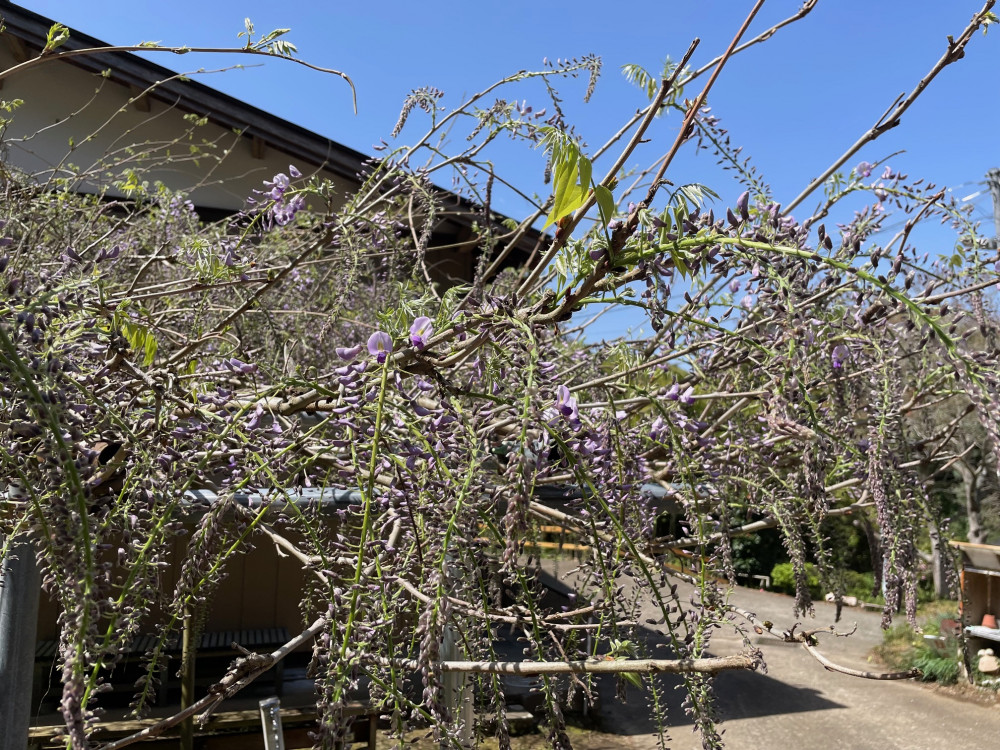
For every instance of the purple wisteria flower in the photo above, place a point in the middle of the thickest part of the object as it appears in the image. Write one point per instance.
(688, 396)
(839, 355)
(283, 211)
(278, 184)
(658, 429)
(864, 169)
(348, 353)
(566, 405)
(743, 205)
(237, 365)
(421, 330)
(379, 345)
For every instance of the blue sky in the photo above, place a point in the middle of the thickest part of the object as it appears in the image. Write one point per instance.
(794, 103)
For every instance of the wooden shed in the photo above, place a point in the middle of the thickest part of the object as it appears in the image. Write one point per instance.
(980, 576)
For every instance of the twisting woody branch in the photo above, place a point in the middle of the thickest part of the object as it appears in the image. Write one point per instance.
(147, 355)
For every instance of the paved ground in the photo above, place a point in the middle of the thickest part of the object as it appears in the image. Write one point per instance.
(798, 704)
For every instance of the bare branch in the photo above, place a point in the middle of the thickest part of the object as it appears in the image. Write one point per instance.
(954, 53)
(864, 674)
(712, 665)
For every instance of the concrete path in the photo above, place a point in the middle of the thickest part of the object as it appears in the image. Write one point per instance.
(798, 704)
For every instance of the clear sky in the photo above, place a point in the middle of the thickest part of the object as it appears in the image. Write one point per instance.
(794, 103)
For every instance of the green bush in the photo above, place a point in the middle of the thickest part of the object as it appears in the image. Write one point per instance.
(853, 583)
(860, 585)
(783, 579)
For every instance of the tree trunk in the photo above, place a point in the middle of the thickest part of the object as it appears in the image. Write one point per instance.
(937, 562)
(973, 507)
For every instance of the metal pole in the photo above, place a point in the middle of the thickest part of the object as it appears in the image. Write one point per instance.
(993, 180)
(19, 587)
(270, 721)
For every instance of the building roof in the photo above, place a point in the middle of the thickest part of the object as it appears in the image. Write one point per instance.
(303, 146)
(189, 95)
(981, 558)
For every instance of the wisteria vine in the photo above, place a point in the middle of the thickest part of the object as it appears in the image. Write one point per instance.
(147, 356)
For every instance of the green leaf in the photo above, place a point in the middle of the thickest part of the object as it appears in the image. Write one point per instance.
(633, 678)
(282, 48)
(274, 35)
(138, 336)
(637, 75)
(605, 203)
(149, 349)
(678, 258)
(571, 182)
(989, 18)
(57, 36)
(586, 169)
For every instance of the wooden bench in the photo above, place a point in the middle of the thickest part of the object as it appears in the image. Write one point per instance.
(225, 729)
(560, 534)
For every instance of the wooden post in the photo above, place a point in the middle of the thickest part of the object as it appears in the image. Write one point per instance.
(19, 587)
(457, 692)
(188, 656)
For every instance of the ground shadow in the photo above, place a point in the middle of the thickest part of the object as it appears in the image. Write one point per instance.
(739, 695)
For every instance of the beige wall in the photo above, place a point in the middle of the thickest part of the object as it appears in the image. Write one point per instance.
(260, 590)
(79, 125)
(63, 102)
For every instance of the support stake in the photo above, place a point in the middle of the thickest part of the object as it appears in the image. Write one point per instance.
(19, 588)
(270, 721)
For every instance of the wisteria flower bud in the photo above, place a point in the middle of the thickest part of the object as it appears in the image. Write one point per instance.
(742, 205)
